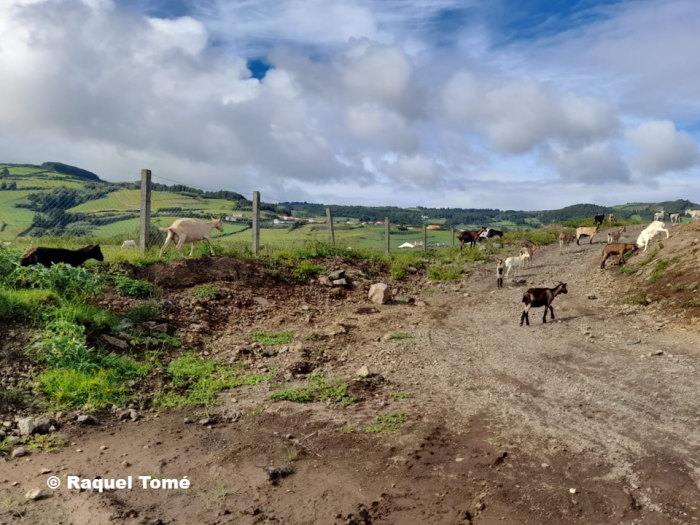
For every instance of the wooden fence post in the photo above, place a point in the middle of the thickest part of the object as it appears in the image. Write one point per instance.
(453, 237)
(145, 230)
(387, 224)
(256, 222)
(425, 237)
(329, 218)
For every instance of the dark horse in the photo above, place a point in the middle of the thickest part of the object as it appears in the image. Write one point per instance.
(469, 237)
(490, 233)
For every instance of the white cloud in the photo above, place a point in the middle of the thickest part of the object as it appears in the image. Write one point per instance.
(594, 163)
(377, 125)
(661, 148)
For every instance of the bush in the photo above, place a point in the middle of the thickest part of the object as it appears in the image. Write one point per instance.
(61, 278)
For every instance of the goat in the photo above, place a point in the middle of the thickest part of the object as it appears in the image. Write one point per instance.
(586, 231)
(469, 237)
(536, 297)
(612, 218)
(615, 234)
(530, 250)
(694, 214)
(50, 256)
(499, 273)
(516, 262)
(490, 233)
(129, 244)
(617, 249)
(598, 219)
(565, 240)
(659, 215)
(190, 230)
(650, 232)
(675, 217)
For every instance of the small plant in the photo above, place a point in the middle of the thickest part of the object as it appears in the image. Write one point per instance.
(400, 395)
(389, 424)
(304, 270)
(5, 447)
(444, 273)
(401, 335)
(650, 257)
(347, 429)
(221, 491)
(640, 299)
(43, 443)
(273, 338)
(134, 288)
(61, 278)
(205, 291)
(430, 290)
(656, 273)
(291, 454)
(142, 313)
(317, 389)
(628, 270)
(693, 286)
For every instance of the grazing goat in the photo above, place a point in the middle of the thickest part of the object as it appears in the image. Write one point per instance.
(516, 262)
(190, 230)
(499, 273)
(536, 297)
(611, 218)
(617, 249)
(586, 231)
(598, 219)
(51, 256)
(530, 250)
(129, 244)
(615, 234)
(490, 233)
(675, 217)
(469, 237)
(659, 215)
(650, 232)
(695, 214)
(565, 240)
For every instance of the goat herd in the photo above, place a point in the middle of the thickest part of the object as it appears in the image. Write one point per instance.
(191, 231)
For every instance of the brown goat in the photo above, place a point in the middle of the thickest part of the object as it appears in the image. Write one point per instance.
(617, 249)
(536, 297)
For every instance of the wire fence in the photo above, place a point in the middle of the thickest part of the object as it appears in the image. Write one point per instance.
(42, 206)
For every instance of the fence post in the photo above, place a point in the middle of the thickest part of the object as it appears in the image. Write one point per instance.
(388, 237)
(453, 237)
(145, 231)
(425, 237)
(329, 218)
(256, 222)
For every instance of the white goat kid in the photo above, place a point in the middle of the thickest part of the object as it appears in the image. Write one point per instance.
(694, 214)
(517, 263)
(650, 232)
(659, 216)
(129, 244)
(190, 230)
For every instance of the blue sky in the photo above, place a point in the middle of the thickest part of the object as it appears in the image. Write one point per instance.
(509, 104)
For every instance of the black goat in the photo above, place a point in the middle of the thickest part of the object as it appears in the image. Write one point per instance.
(51, 256)
(536, 297)
(598, 219)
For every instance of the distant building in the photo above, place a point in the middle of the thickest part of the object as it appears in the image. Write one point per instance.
(433, 227)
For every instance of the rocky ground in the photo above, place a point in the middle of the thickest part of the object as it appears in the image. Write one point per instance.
(588, 419)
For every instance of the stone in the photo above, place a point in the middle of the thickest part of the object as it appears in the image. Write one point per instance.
(338, 274)
(44, 424)
(379, 293)
(33, 494)
(134, 415)
(46, 471)
(592, 296)
(261, 301)
(363, 371)
(296, 347)
(339, 282)
(103, 447)
(26, 426)
(160, 328)
(19, 452)
(126, 464)
(420, 303)
(87, 419)
(119, 343)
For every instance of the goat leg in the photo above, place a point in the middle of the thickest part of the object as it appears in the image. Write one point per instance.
(551, 312)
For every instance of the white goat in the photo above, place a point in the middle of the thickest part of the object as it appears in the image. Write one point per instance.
(129, 244)
(517, 263)
(675, 217)
(659, 216)
(614, 235)
(650, 232)
(695, 214)
(190, 230)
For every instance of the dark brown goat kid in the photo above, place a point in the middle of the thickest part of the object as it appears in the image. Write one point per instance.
(617, 249)
(536, 297)
(51, 256)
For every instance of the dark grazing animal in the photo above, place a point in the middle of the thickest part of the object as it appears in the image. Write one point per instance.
(598, 219)
(617, 249)
(499, 272)
(490, 233)
(536, 297)
(51, 256)
(469, 237)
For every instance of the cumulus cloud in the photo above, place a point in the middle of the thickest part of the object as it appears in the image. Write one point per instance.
(519, 115)
(661, 148)
(377, 125)
(594, 163)
(413, 170)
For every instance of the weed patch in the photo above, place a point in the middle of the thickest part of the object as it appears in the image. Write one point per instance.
(273, 338)
(640, 299)
(305, 270)
(658, 270)
(317, 389)
(62, 278)
(134, 288)
(401, 335)
(47, 443)
(142, 313)
(400, 395)
(444, 273)
(205, 291)
(386, 424)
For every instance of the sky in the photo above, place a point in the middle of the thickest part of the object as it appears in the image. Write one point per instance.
(439, 103)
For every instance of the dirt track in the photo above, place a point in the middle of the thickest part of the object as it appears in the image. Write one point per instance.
(505, 421)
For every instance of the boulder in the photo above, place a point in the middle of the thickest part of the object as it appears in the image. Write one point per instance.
(379, 293)
(19, 452)
(26, 426)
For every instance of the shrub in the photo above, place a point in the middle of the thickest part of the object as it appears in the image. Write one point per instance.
(144, 312)
(61, 278)
(134, 288)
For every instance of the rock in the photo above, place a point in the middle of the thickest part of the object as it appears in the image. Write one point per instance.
(296, 347)
(19, 452)
(592, 296)
(115, 342)
(363, 371)
(160, 328)
(207, 421)
(658, 352)
(261, 301)
(187, 421)
(33, 494)
(126, 464)
(420, 303)
(103, 447)
(338, 274)
(87, 419)
(46, 471)
(339, 282)
(572, 491)
(26, 426)
(379, 293)
(325, 281)
(44, 424)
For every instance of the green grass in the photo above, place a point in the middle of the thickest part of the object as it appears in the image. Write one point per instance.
(650, 257)
(400, 395)
(401, 335)
(205, 291)
(658, 270)
(5, 447)
(25, 305)
(62, 278)
(144, 312)
(640, 299)
(43, 443)
(628, 270)
(305, 270)
(317, 388)
(389, 424)
(693, 286)
(196, 382)
(272, 338)
(444, 273)
(87, 389)
(127, 287)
